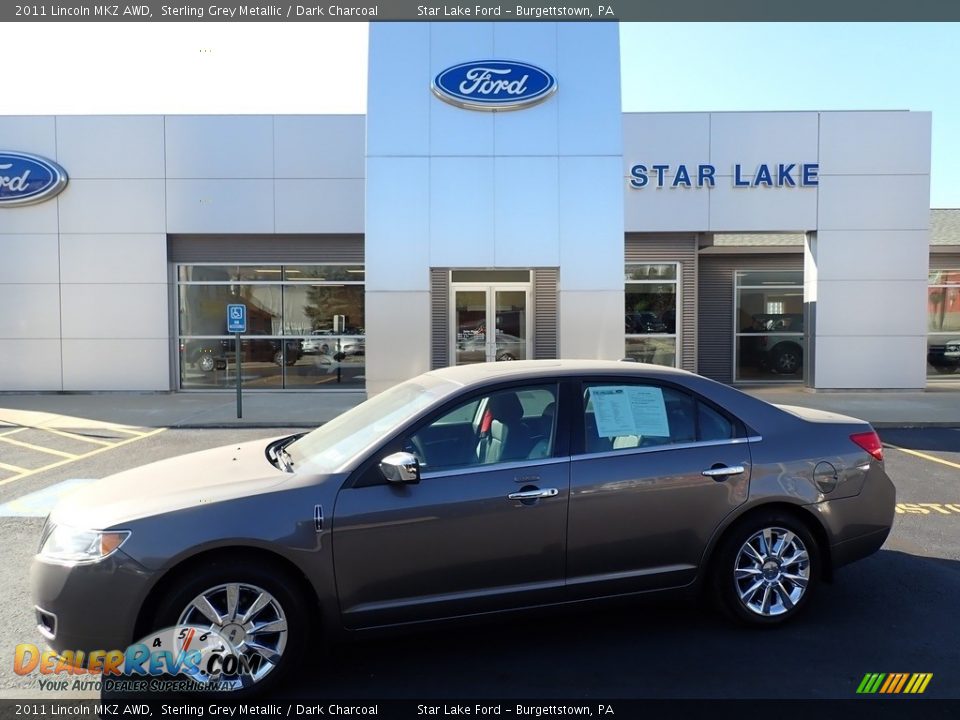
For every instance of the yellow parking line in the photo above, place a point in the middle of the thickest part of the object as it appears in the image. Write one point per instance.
(75, 436)
(38, 448)
(924, 456)
(11, 432)
(12, 468)
(130, 431)
(71, 459)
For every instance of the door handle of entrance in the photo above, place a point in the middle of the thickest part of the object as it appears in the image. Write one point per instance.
(722, 472)
(533, 494)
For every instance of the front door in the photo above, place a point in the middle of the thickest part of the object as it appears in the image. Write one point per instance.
(491, 323)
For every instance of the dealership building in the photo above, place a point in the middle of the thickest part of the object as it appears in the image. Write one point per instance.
(494, 203)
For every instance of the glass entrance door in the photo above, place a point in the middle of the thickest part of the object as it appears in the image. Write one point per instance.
(491, 323)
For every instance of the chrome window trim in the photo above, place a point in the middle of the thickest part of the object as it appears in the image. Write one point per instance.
(473, 469)
(662, 448)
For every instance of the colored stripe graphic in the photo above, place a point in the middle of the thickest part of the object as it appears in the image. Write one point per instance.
(894, 683)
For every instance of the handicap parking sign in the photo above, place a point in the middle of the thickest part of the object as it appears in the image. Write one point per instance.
(236, 318)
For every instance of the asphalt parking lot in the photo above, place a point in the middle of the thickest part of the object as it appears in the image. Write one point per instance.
(894, 612)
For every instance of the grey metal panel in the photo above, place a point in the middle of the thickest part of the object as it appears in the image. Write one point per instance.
(439, 318)
(945, 261)
(682, 248)
(545, 315)
(716, 279)
(265, 248)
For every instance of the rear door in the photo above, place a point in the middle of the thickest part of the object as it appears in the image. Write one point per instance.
(654, 472)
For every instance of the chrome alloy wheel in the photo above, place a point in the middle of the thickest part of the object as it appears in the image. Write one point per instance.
(772, 572)
(250, 618)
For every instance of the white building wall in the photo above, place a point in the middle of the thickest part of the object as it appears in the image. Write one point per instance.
(448, 187)
(866, 262)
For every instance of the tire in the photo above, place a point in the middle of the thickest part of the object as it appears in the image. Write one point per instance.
(253, 582)
(207, 362)
(770, 585)
(787, 359)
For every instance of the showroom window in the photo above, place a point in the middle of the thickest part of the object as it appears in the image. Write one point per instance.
(305, 326)
(943, 323)
(769, 342)
(651, 312)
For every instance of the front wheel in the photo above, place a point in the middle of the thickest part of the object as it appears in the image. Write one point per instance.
(766, 570)
(258, 610)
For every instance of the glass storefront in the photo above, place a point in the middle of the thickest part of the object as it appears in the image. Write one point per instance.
(943, 323)
(650, 313)
(769, 343)
(305, 326)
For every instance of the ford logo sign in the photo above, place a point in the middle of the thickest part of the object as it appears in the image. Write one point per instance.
(494, 85)
(27, 179)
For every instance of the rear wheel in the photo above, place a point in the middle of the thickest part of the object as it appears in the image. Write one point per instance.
(787, 359)
(258, 610)
(767, 569)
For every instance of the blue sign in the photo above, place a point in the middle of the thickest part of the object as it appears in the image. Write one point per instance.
(26, 179)
(236, 318)
(494, 85)
(764, 175)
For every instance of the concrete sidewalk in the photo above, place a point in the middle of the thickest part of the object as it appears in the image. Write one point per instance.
(938, 406)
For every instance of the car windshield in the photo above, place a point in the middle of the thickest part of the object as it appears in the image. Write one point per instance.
(331, 446)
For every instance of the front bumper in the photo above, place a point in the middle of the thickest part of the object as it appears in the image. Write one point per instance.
(89, 607)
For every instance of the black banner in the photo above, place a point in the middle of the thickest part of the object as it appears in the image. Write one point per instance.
(483, 10)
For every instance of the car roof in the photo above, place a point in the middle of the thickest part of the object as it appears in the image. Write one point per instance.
(535, 369)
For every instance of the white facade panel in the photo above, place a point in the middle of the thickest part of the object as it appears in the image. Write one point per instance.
(588, 95)
(220, 206)
(35, 134)
(29, 219)
(319, 146)
(110, 259)
(591, 324)
(764, 209)
(461, 212)
(31, 311)
(398, 121)
(397, 225)
(29, 259)
(108, 364)
(526, 212)
(31, 365)
(749, 139)
(875, 143)
(112, 206)
(875, 202)
(454, 131)
(856, 308)
(665, 138)
(114, 311)
(398, 337)
(900, 364)
(653, 209)
(219, 146)
(111, 146)
(591, 207)
(876, 254)
(319, 206)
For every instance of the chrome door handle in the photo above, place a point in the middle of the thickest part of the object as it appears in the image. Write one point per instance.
(533, 494)
(723, 471)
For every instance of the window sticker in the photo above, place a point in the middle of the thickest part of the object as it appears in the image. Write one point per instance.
(627, 410)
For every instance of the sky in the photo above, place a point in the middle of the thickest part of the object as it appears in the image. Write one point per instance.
(277, 68)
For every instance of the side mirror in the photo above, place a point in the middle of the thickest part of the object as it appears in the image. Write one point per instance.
(401, 467)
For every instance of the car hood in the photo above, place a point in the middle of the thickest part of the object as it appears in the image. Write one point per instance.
(208, 476)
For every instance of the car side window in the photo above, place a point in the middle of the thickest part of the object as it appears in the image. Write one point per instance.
(510, 425)
(623, 416)
(711, 425)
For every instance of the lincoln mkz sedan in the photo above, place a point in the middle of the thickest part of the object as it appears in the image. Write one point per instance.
(465, 491)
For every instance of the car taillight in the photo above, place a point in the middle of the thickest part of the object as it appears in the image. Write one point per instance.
(870, 442)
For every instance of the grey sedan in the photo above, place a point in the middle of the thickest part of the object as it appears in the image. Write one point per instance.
(465, 491)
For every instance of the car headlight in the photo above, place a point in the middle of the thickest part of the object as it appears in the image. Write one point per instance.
(70, 545)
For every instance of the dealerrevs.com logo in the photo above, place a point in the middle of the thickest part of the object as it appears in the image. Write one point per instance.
(180, 658)
(494, 85)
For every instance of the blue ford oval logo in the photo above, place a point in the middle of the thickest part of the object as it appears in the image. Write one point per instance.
(26, 179)
(494, 85)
